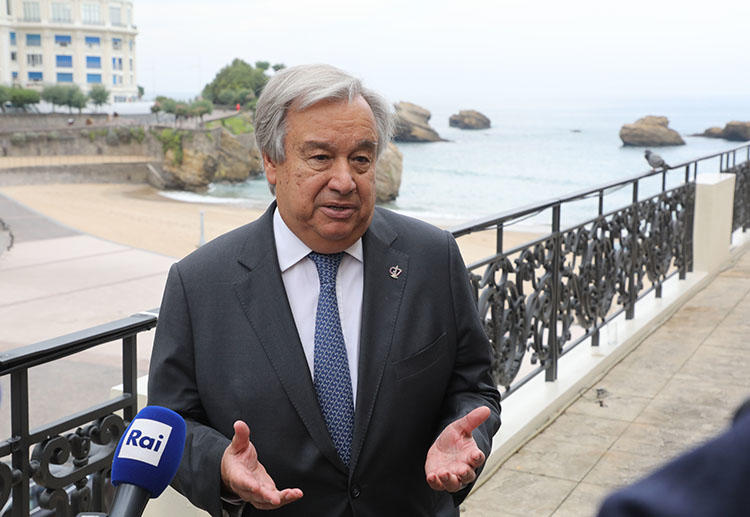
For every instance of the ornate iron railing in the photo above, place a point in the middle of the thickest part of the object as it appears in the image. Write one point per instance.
(741, 208)
(62, 468)
(538, 300)
(541, 299)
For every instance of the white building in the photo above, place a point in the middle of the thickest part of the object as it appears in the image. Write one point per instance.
(83, 42)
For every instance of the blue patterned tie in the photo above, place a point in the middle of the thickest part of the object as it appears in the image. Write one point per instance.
(333, 383)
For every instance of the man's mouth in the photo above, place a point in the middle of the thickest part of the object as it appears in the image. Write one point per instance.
(338, 211)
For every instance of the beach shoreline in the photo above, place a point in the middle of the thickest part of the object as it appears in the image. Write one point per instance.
(139, 216)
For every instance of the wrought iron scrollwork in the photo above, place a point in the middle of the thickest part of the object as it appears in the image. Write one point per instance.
(64, 468)
(7, 480)
(505, 325)
(592, 275)
(62, 464)
(603, 264)
(741, 212)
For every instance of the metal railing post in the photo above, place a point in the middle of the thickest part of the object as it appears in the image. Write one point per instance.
(554, 353)
(130, 375)
(635, 223)
(19, 410)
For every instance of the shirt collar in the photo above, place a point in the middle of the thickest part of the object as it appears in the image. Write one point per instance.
(290, 249)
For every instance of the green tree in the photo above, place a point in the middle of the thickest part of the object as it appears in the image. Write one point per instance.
(237, 76)
(23, 97)
(181, 110)
(278, 66)
(4, 96)
(78, 99)
(167, 105)
(55, 94)
(226, 96)
(141, 91)
(201, 107)
(99, 95)
(156, 107)
(73, 97)
(262, 65)
(244, 95)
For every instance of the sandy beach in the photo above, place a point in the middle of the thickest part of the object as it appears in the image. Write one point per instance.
(138, 216)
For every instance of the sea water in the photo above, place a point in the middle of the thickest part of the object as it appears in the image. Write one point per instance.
(531, 154)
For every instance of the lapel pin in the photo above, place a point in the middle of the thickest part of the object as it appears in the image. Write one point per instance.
(395, 271)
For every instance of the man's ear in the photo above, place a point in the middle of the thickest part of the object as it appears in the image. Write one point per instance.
(270, 168)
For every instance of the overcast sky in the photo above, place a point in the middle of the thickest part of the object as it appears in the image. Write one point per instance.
(481, 51)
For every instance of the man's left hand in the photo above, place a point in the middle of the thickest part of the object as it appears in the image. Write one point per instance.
(453, 458)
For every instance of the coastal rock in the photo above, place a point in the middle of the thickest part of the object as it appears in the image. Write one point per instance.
(712, 132)
(412, 124)
(194, 172)
(650, 131)
(388, 174)
(236, 162)
(737, 131)
(469, 119)
(210, 156)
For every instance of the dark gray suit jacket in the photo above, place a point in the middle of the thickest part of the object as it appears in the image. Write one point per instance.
(227, 348)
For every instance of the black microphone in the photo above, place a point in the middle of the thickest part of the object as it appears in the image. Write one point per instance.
(146, 459)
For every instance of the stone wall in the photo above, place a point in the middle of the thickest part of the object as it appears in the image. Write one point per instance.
(90, 140)
(181, 158)
(83, 173)
(10, 122)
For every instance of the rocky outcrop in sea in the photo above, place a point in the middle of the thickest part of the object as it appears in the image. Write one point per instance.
(412, 124)
(388, 174)
(735, 131)
(212, 156)
(650, 131)
(469, 119)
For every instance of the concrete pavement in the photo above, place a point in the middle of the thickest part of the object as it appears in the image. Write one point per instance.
(55, 281)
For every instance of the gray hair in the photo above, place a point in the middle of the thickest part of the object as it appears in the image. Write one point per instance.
(306, 85)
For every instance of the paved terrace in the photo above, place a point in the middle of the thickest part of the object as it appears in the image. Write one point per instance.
(678, 388)
(675, 390)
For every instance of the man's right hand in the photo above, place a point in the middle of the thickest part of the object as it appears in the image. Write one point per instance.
(243, 474)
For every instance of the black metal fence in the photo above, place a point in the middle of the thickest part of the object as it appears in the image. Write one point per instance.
(539, 300)
(63, 467)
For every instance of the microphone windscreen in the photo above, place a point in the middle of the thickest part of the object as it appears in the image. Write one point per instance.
(150, 450)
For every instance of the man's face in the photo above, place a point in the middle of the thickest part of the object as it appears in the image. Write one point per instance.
(325, 188)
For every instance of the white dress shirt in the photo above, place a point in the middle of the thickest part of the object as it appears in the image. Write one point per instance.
(302, 286)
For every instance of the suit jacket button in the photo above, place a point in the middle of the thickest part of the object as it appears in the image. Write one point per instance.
(355, 491)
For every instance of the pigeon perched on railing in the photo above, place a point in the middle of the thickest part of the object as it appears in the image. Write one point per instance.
(656, 161)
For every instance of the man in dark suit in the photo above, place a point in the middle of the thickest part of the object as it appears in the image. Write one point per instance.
(336, 343)
(709, 481)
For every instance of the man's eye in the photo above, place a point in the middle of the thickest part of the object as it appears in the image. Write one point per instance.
(320, 157)
(364, 160)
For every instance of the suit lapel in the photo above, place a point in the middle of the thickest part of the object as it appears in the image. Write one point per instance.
(382, 299)
(263, 298)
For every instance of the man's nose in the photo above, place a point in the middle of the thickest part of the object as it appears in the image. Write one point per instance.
(342, 180)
